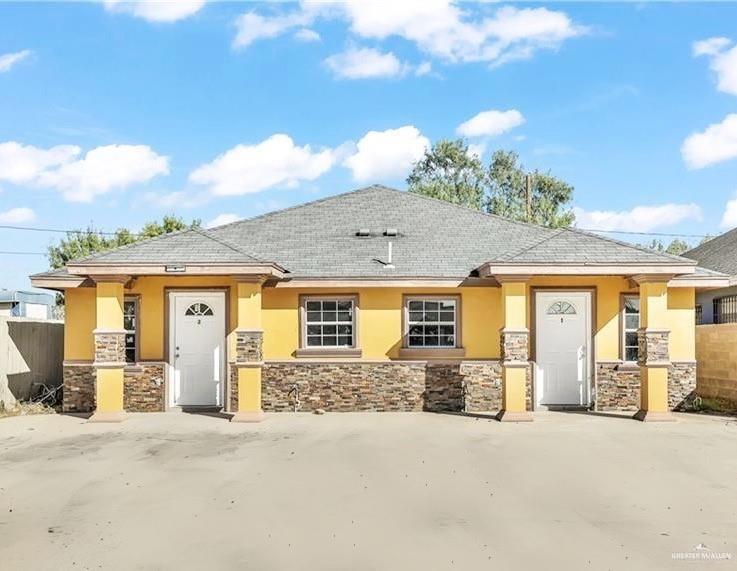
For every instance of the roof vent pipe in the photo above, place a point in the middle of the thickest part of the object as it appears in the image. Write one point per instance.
(391, 232)
(363, 232)
(389, 265)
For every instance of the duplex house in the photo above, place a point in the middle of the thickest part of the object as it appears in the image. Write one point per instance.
(379, 300)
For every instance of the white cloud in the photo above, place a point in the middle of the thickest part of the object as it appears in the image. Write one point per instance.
(156, 10)
(307, 35)
(251, 26)
(716, 144)
(386, 154)
(17, 216)
(7, 61)
(722, 61)
(490, 123)
(276, 161)
(21, 164)
(225, 218)
(363, 63)
(423, 69)
(639, 219)
(440, 28)
(729, 218)
(710, 46)
(104, 169)
(80, 179)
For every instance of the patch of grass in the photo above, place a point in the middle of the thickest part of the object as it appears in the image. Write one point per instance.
(25, 408)
(709, 405)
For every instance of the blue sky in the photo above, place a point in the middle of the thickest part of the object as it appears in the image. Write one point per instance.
(116, 113)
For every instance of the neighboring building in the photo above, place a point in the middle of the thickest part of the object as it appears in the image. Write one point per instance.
(719, 255)
(379, 299)
(16, 303)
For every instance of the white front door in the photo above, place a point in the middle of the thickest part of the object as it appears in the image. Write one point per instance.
(562, 348)
(197, 348)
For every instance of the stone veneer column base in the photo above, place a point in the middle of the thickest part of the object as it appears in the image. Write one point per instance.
(118, 416)
(509, 416)
(651, 416)
(251, 416)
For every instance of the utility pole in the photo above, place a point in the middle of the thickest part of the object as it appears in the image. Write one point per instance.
(528, 197)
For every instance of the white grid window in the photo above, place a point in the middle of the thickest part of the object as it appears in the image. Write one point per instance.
(130, 324)
(631, 316)
(329, 322)
(431, 323)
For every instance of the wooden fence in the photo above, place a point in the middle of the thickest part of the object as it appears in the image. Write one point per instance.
(31, 351)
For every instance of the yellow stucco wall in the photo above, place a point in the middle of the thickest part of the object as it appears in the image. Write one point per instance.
(380, 316)
(380, 320)
(681, 319)
(79, 321)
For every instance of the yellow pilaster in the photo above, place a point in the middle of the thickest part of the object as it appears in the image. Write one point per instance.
(109, 351)
(249, 357)
(514, 349)
(654, 353)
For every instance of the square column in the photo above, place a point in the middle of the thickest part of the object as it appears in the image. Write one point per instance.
(514, 349)
(109, 350)
(653, 355)
(248, 353)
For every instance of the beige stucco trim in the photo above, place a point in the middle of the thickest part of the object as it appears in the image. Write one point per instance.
(432, 354)
(242, 270)
(382, 282)
(562, 269)
(310, 352)
(711, 282)
(318, 361)
(69, 282)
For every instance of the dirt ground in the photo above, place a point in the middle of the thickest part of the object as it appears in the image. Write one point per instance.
(367, 491)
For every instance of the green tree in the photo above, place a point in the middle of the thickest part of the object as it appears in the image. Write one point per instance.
(83, 243)
(449, 172)
(676, 247)
(550, 196)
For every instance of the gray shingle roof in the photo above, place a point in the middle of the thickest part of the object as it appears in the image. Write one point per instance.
(436, 239)
(718, 254)
(194, 245)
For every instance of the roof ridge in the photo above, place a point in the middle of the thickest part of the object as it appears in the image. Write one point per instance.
(126, 246)
(717, 242)
(547, 228)
(519, 252)
(628, 245)
(298, 206)
(227, 243)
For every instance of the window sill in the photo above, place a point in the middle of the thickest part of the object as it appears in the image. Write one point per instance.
(133, 369)
(628, 366)
(328, 352)
(439, 353)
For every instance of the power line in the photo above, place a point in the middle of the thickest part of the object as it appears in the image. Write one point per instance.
(59, 231)
(665, 234)
(22, 253)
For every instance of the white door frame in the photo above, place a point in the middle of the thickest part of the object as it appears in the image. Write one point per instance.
(170, 295)
(590, 293)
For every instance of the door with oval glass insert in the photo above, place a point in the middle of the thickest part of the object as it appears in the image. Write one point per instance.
(562, 348)
(197, 348)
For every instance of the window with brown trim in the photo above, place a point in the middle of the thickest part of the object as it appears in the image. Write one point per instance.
(630, 325)
(432, 322)
(328, 322)
(130, 324)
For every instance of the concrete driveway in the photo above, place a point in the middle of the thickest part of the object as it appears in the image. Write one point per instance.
(367, 491)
